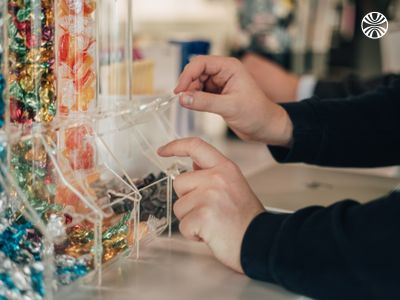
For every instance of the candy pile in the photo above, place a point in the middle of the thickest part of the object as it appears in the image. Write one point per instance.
(117, 228)
(153, 189)
(32, 170)
(70, 269)
(76, 53)
(154, 197)
(21, 266)
(31, 58)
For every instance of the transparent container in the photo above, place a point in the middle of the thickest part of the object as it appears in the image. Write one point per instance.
(115, 51)
(26, 251)
(134, 138)
(30, 52)
(77, 59)
(89, 209)
(154, 186)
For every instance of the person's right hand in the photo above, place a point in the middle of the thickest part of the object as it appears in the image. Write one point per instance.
(221, 85)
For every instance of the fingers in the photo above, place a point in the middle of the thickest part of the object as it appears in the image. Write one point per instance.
(187, 203)
(189, 181)
(202, 67)
(203, 154)
(194, 225)
(201, 101)
(189, 229)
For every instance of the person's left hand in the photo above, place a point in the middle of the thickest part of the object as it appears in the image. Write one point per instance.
(215, 203)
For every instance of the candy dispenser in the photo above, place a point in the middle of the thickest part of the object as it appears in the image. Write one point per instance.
(26, 265)
(39, 178)
(30, 61)
(115, 55)
(88, 204)
(101, 181)
(135, 139)
(26, 252)
(76, 40)
(105, 184)
(148, 179)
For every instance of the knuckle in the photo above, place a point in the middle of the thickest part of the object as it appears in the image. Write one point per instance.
(230, 167)
(234, 62)
(220, 180)
(205, 214)
(197, 58)
(211, 194)
(195, 142)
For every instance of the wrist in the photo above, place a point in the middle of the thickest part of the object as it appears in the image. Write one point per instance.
(279, 128)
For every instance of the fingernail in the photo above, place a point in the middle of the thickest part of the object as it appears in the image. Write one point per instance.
(187, 100)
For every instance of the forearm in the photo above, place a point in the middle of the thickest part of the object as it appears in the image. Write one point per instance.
(351, 86)
(345, 251)
(360, 131)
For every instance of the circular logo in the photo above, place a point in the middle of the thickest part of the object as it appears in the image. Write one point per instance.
(374, 25)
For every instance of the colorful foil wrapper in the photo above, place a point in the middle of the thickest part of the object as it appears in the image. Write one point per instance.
(31, 59)
(21, 266)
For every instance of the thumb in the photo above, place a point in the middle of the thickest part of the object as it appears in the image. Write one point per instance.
(202, 101)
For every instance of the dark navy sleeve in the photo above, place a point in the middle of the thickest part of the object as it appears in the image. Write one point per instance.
(344, 251)
(352, 85)
(359, 131)
(347, 250)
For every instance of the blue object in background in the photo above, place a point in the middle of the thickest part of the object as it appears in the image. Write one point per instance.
(190, 49)
(185, 123)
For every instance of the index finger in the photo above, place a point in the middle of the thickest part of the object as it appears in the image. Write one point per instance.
(202, 153)
(201, 67)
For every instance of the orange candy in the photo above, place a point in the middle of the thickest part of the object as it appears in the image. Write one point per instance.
(79, 151)
(89, 6)
(74, 7)
(75, 137)
(85, 81)
(65, 196)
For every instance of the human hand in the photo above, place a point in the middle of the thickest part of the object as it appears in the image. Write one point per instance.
(216, 204)
(278, 84)
(221, 85)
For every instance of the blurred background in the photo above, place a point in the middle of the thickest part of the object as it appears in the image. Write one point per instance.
(322, 38)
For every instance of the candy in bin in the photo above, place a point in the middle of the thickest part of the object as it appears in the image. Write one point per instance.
(30, 61)
(25, 263)
(76, 55)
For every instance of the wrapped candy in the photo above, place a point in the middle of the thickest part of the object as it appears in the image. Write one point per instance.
(31, 61)
(78, 148)
(76, 55)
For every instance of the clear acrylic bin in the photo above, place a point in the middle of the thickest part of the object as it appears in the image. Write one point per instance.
(135, 138)
(86, 178)
(30, 61)
(87, 203)
(26, 250)
(77, 59)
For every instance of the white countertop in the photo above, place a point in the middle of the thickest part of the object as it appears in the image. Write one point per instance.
(172, 269)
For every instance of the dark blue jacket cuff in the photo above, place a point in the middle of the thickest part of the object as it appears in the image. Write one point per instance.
(307, 134)
(257, 245)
